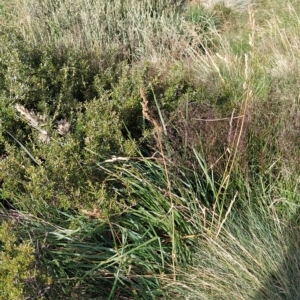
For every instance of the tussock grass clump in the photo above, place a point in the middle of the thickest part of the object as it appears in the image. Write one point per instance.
(255, 256)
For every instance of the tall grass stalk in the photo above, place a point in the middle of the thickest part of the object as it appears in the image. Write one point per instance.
(159, 130)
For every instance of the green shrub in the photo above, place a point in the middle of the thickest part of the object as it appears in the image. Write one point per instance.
(20, 277)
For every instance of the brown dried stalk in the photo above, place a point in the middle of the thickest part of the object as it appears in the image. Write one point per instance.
(36, 121)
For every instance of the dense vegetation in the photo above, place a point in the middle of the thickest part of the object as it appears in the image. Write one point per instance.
(149, 149)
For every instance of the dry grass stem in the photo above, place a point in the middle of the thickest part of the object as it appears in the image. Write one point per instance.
(36, 121)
